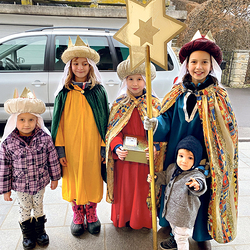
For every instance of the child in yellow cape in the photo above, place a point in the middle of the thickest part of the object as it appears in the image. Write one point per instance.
(127, 188)
(78, 129)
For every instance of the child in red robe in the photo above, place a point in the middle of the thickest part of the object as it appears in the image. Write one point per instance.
(127, 188)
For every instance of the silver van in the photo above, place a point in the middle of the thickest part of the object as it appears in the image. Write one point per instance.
(32, 59)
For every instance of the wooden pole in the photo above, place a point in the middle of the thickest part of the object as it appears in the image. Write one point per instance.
(151, 147)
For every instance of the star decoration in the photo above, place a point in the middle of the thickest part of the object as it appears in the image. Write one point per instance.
(146, 31)
(148, 24)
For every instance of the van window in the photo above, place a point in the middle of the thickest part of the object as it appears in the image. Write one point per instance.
(170, 65)
(98, 43)
(23, 54)
(122, 52)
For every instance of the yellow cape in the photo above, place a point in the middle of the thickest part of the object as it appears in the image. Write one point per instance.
(78, 133)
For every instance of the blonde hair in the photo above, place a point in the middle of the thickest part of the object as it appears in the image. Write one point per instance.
(90, 77)
(126, 96)
(126, 100)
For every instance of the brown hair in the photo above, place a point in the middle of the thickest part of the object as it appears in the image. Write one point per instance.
(90, 77)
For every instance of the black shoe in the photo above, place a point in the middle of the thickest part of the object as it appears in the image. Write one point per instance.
(94, 227)
(29, 243)
(76, 229)
(29, 236)
(42, 238)
(127, 227)
(204, 245)
(169, 243)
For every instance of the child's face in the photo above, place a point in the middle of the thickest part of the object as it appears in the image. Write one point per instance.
(80, 68)
(199, 66)
(135, 84)
(185, 159)
(26, 123)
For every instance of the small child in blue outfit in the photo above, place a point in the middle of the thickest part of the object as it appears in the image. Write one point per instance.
(184, 182)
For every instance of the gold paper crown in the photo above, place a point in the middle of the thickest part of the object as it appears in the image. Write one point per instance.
(26, 103)
(80, 49)
(124, 69)
(79, 42)
(27, 94)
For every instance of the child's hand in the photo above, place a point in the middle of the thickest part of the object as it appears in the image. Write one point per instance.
(149, 123)
(53, 185)
(103, 160)
(63, 161)
(193, 183)
(121, 153)
(7, 197)
(147, 154)
(149, 179)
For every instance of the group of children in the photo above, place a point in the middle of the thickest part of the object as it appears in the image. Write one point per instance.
(197, 171)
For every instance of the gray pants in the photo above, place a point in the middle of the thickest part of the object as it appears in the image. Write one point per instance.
(28, 202)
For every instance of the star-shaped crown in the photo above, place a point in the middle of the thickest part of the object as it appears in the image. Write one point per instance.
(208, 36)
(79, 42)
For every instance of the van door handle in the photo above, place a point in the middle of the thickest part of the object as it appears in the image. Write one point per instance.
(112, 83)
(38, 83)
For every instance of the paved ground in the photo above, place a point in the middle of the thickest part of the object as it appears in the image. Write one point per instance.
(59, 216)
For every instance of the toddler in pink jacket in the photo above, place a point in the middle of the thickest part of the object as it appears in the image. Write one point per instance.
(28, 163)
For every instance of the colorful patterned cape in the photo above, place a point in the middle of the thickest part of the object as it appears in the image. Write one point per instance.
(221, 140)
(120, 114)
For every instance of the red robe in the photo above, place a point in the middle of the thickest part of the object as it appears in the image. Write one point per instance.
(130, 183)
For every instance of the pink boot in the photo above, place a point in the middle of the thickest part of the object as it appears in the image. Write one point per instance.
(77, 225)
(93, 222)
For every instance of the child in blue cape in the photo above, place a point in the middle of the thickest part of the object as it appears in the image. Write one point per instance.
(197, 105)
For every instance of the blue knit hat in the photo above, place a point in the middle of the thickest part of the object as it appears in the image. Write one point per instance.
(192, 144)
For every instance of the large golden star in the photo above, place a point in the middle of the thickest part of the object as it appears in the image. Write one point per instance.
(148, 24)
(146, 31)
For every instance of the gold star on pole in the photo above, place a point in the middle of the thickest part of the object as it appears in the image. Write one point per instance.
(146, 31)
(148, 24)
